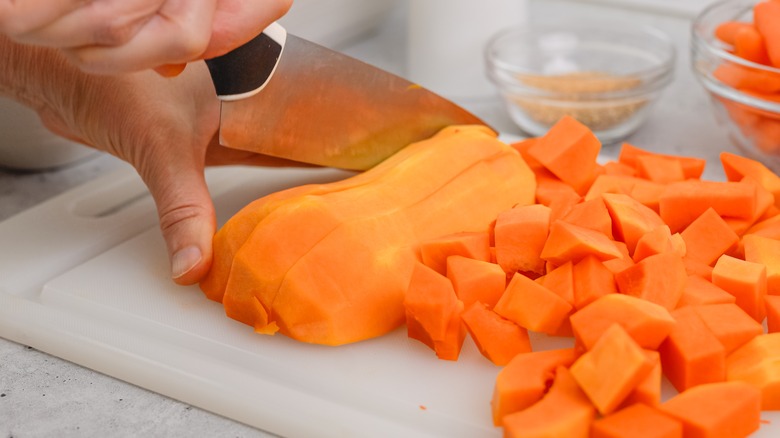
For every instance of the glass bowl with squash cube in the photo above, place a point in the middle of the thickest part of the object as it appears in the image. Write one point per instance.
(607, 76)
(735, 54)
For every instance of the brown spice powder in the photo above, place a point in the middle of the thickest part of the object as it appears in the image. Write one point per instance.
(576, 95)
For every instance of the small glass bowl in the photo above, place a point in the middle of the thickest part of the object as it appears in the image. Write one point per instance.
(606, 76)
(750, 111)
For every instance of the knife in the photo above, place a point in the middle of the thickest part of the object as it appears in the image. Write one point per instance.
(287, 97)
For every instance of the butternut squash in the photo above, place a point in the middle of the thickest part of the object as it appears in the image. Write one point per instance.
(330, 264)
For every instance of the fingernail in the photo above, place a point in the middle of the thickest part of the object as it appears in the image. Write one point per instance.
(184, 260)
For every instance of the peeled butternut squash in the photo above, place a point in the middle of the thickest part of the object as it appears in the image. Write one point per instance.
(330, 263)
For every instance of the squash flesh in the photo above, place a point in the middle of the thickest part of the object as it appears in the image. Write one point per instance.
(331, 266)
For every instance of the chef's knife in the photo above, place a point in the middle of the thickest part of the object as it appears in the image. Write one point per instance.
(287, 97)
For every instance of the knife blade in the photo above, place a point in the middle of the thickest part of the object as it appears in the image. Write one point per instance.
(287, 97)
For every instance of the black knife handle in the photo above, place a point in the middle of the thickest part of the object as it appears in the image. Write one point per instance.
(245, 70)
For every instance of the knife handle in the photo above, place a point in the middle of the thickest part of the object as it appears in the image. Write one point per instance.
(245, 70)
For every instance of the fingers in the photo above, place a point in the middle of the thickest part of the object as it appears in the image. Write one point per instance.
(120, 36)
(102, 22)
(187, 220)
(20, 17)
(238, 21)
(179, 32)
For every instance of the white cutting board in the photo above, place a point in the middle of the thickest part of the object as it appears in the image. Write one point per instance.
(85, 277)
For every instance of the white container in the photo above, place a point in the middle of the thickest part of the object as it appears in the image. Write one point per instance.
(447, 39)
(26, 144)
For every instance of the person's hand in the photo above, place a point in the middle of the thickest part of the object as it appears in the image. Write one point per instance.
(119, 36)
(165, 127)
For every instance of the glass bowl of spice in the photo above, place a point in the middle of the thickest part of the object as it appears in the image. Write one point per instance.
(605, 76)
(735, 55)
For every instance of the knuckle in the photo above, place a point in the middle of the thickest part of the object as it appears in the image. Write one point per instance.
(173, 217)
(191, 44)
(115, 33)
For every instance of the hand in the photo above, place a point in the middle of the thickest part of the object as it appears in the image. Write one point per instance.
(119, 36)
(166, 129)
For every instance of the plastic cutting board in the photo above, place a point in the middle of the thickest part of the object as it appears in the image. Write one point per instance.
(84, 277)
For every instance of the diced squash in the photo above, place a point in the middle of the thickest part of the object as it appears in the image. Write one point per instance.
(532, 305)
(764, 201)
(569, 150)
(730, 324)
(772, 313)
(646, 322)
(617, 168)
(564, 411)
(738, 167)
(659, 278)
(766, 16)
(612, 369)
(765, 251)
(758, 363)
(707, 237)
(592, 280)
(472, 244)
(657, 241)
(692, 355)
(631, 219)
(591, 214)
(749, 80)
(522, 146)
(750, 44)
(647, 193)
(637, 421)
(498, 339)
(745, 280)
(683, 202)
(649, 390)
(569, 242)
(525, 379)
(717, 410)
(556, 194)
(760, 348)
(433, 312)
(769, 227)
(727, 31)
(561, 281)
(693, 167)
(618, 264)
(660, 169)
(520, 234)
(698, 269)
(476, 280)
(700, 291)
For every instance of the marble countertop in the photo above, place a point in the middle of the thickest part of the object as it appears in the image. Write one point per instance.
(41, 395)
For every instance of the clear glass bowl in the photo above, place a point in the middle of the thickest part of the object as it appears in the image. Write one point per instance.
(607, 76)
(747, 111)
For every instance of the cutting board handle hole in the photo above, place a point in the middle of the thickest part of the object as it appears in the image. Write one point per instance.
(111, 200)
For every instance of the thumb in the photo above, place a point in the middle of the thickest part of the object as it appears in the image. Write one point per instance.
(187, 220)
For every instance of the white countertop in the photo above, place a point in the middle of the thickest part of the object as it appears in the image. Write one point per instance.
(41, 395)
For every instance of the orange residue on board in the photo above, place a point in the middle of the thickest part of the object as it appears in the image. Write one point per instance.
(763, 421)
(423, 407)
